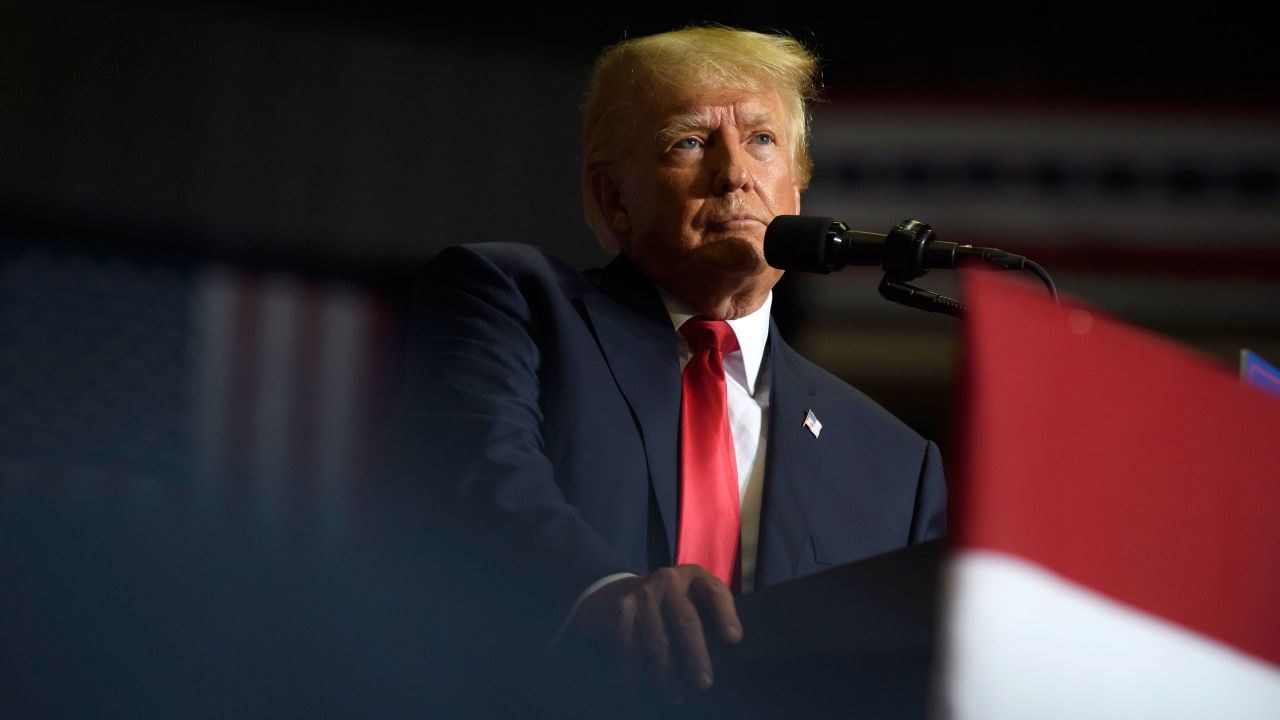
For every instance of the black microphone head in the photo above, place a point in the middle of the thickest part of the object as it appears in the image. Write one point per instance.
(799, 242)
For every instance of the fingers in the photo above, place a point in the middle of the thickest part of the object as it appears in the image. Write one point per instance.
(675, 643)
(625, 637)
(685, 628)
(657, 625)
(653, 637)
(716, 601)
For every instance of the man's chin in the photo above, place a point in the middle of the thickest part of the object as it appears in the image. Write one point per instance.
(731, 257)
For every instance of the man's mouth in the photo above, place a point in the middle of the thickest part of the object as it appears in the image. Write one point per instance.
(736, 220)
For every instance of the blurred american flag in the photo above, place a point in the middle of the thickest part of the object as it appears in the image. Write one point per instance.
(222, 386)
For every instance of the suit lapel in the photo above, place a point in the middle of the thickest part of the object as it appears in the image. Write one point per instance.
(636, 337)
(793, 462)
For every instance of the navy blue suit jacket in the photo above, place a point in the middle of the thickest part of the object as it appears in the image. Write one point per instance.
(543, 413)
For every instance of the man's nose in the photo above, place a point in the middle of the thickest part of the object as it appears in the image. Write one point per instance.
(730, 169)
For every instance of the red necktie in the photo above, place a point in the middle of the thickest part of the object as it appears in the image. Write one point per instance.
(709, 505)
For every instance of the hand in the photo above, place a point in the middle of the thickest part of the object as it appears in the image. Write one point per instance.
(653, 624)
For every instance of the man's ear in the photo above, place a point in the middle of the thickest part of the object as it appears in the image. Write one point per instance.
(607, 194)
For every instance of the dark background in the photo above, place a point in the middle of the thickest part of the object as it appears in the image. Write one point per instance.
(211, 215)
(1133, 155)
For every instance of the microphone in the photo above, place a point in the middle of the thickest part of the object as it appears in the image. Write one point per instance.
(823, 244)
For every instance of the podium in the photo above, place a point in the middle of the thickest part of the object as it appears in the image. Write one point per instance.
(855, 641)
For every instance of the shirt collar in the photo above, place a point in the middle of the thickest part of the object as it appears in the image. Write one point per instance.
(751, 330)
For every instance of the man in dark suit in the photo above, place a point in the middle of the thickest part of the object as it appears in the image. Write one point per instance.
(562, 443)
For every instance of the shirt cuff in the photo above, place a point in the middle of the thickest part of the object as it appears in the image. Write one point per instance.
(583, 596)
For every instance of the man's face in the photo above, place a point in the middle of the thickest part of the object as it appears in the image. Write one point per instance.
(705, 175)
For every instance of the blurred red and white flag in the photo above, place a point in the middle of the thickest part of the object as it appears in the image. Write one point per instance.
(1117, 526)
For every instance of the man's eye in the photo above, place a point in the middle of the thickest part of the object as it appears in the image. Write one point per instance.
(763, 139)
(688, 143)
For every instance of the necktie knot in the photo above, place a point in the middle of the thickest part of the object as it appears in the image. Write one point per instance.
(703, 334)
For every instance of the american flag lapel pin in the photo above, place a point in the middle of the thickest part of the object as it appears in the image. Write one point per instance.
(811, 421)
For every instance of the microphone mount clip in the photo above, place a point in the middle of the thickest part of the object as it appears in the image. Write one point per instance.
(906, 248)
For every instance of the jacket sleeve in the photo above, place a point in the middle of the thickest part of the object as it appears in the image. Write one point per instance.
(472, 447)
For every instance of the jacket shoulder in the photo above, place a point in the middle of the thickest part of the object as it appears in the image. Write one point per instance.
(517, 261)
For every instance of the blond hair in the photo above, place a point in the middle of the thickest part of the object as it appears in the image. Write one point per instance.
(629, 76)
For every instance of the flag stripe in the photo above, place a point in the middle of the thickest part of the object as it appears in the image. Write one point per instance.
(1027, 643)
